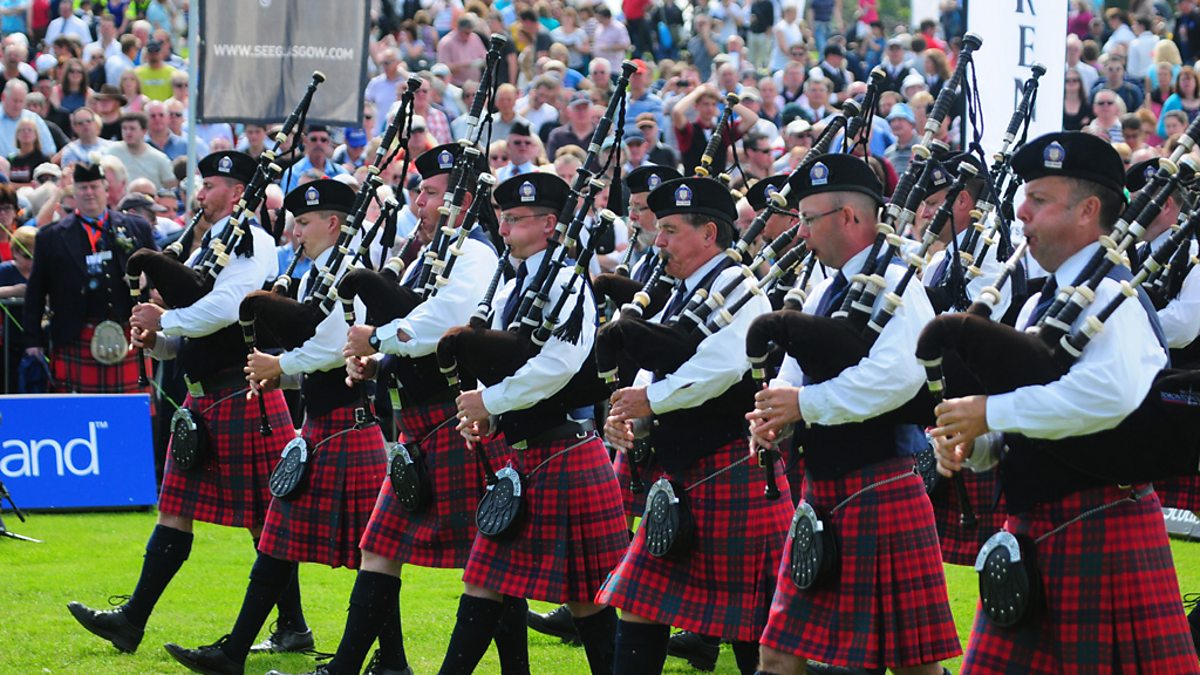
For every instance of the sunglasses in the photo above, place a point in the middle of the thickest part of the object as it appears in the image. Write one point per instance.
(176, 114)
(498, 158)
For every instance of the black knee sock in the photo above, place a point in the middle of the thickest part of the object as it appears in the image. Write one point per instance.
(268, 578)
(391, 641)
(746, 655)
(598, 633)
(291, 613)
(166, 550)
(476, 625)
(641, 648)
(512, 637)
(372, 603)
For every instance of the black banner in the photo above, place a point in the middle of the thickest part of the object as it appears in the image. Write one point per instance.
(258, 56)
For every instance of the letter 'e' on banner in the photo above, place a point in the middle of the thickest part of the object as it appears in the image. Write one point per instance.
(257, 58)
(1017, 34)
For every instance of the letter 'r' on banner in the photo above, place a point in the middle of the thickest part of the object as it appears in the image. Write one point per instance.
(257, 58)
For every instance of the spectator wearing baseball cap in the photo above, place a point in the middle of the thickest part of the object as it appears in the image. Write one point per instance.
(658, 153)
(641, 99)
(352, 154)
(578, 127)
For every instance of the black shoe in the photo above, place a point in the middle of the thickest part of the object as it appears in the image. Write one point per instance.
(700, 654)
(282, 640)
(375, 667)
(209, 659)
(557, 623)
(817, 668)
(109, 624)
(1192, 601)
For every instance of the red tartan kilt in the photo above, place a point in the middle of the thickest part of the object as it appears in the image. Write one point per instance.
(723, 586)
(440, 535)
(1112, 597)
(648, 471)
(230, 488)
(888, 604)
(572, 533)
(76, 372)
(960, 545)
(1179, 493)
(324, 522)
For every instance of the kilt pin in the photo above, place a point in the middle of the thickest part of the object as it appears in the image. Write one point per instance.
(961, 545)
(230, 487)
(441, 534)
(724, 584)
(1112, 598)
(323, 524)
(74, 371)
(887, 605)
(571, 534)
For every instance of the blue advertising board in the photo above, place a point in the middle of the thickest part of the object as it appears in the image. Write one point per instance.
(77, 450)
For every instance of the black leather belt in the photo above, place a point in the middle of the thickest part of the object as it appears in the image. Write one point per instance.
(567, 431)
(207, 386)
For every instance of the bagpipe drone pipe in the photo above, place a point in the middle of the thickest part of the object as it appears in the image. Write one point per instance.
(1160, 439)
(181, 285)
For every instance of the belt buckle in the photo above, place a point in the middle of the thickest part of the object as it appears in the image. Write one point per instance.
(196, 389)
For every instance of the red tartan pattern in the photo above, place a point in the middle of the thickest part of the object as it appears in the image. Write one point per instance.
(723, 586)
(1179, 493)
(572, 533)
(888, 604)
(1112, 598)
(648, 471)
(76, 372)
(324, 523)
(230, 488)
(440, 535)
(960, 545)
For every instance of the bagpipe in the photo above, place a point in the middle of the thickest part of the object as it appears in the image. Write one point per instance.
(477, 353)
(825, 346)
(1165, 428)
(181, 285)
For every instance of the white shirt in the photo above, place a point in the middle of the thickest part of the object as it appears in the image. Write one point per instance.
(883, 381)
(720, 359)
(72, 25)
(1108, 382)
(451, 306)
(219, 308)
(509, 170)
(1180, 319)
(547, 373)
(990, 268)
(322, 351)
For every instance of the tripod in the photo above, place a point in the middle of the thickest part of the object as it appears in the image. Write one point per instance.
(4, 531)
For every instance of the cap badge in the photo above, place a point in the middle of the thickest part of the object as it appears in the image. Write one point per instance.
(1053, 156)
(1151, 170)
(683, 196)
(652, 181)
(819, 174)
(527, 192)
(445, 160)
(225, 164)
(312, 196)
(770, 190)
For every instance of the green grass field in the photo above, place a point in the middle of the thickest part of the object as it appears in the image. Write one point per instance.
(89, 557)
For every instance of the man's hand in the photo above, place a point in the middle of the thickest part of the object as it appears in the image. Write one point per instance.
(473, 416)
(357, 341)
(959, 422)
(142, 339)
(629, 404)
(360, 369)
(774, 409)
(146, 316)
(619, 433)
(261, 367)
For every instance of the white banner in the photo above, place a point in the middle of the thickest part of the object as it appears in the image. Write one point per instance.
(1017, 34)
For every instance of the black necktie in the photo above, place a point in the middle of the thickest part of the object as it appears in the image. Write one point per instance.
(678, 302)
(1044, 301)
(939, 272)
(833, 296)
(410, 281)
(514, 298)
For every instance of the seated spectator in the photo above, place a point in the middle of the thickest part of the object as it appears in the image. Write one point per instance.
(1107, 107)
(155, 73)
(142, 205)
(523, 151)
(498, 155)
(352, 154)
(131, 89)
(1114, 79)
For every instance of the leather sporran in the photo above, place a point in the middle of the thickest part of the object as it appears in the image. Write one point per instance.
(288, 477)
(670, 530)
(813, 549)
(502, 505)
(409, 477)
(1010, 585)
(189, 439)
